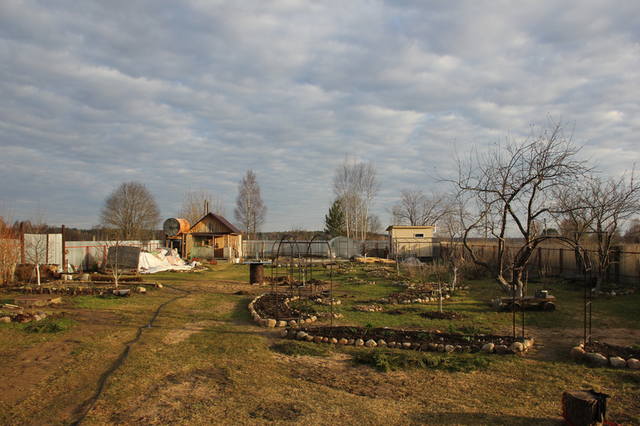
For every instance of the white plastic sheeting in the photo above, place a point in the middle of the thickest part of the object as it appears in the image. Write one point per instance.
(89, 255)
(162, 260)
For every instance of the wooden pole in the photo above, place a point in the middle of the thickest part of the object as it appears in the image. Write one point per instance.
(64, 251)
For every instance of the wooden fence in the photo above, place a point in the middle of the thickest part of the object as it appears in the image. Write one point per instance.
(556, 259)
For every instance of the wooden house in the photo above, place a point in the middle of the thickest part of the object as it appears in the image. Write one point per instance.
(213, 237)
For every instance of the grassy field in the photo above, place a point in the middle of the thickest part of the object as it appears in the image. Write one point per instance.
(204, 362)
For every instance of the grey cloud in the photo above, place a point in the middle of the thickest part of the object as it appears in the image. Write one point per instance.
(192, 94)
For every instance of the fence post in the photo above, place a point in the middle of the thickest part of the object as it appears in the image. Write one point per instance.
(561, 260)
(616, 264)
(64, 251)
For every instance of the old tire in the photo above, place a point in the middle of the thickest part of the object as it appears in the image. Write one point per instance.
(549, 307)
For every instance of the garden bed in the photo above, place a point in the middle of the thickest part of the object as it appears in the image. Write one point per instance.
(442, 315)
(415, 295)
(83, 289)
(273, 310)
(600, 354)
(422, 340)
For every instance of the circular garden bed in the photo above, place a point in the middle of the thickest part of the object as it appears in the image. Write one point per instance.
(273, 310)
(600, 354)
(410, 339)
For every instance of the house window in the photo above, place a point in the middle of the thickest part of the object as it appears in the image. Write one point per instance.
(418, 235)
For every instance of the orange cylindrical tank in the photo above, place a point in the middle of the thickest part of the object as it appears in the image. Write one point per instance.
(176, 226)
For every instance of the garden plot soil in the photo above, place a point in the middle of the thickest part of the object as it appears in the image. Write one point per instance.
(418, 292)
(473, 342)
(442, 315)
(608, 350)
(274, 306)
(402, 311)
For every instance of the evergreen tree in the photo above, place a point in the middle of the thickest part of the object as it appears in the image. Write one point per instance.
(334, 220)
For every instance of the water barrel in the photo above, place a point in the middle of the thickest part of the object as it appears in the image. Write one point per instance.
(175, 226)
(256, 273)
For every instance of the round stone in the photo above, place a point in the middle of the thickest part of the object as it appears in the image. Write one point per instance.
(406, 345)
(325, 340)
(343, 341)
(381, 342)
(5, 319)
(301, 335)
(517, 347)
(449, 348)
(359, 342)
(577, 353)
(317, 339)
(595, 358)
(371, 343)
(633, 364)
(271, 323)
(333, 340)
(293, 323)
(284, 333)
(432, 347)
(617, 362)
(309, 338)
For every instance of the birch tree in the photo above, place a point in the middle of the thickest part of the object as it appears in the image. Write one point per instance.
(356, 185)
(250, 210)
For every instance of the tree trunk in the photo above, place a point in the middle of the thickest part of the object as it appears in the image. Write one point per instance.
(454, 278)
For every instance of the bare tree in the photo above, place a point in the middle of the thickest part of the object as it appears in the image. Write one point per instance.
(452, 226)
(250, 210)
(609, 203)
(417, 209)
(574, 221)
(511, 188)
(374, 224)
(9, 252)
(356, 185)
(196, 204)
(131, 210)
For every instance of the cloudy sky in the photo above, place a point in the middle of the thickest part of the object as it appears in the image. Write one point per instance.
(189, 95)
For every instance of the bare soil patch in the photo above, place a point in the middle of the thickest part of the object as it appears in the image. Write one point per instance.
(279, 411)
(176, 336)
(174, 396)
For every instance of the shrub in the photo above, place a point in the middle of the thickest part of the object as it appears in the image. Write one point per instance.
(388, 360)
(47, 326)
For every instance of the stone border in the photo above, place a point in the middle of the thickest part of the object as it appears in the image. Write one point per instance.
(596, 359)
(422, 300)
(488, 348)
(271, 322)
(22, 317)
